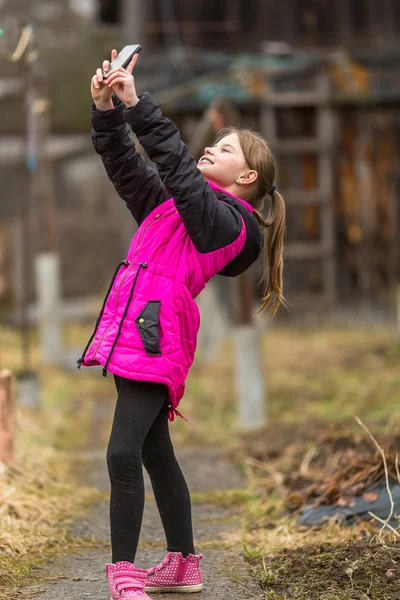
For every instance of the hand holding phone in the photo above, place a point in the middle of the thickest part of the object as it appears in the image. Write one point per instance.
(121, 81)
(122, 59)
(101, 93)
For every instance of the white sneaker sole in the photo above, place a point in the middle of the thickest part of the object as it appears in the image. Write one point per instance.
(184, 589)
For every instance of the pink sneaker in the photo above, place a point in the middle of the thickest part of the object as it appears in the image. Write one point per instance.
(176, 574)
(126, 581)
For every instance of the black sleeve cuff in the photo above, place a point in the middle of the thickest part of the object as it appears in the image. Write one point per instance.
(143, 113)
(103, 120)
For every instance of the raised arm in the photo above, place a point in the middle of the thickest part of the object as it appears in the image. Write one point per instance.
(210, 223)
(135, 182)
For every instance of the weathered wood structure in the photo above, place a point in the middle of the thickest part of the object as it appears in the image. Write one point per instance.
(331, 117)
(309, 185)
(223, 24)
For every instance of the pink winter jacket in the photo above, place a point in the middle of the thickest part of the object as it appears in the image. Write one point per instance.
(147, 328)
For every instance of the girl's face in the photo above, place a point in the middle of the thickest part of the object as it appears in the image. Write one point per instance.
(224, 162)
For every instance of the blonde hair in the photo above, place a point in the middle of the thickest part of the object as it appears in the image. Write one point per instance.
(260, 158)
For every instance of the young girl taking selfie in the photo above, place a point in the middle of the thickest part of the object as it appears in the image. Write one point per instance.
(194, 221)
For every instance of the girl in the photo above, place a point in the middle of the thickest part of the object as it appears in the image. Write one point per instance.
(194, 221)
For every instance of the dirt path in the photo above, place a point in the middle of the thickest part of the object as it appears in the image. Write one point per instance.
(217, 534)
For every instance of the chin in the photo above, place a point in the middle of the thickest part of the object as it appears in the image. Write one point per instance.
(206, 172)
(208, 175)
(202, 167)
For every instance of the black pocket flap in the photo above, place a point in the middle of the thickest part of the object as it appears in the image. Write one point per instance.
(147, 323)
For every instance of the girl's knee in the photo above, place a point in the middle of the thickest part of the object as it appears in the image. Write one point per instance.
(123, 463)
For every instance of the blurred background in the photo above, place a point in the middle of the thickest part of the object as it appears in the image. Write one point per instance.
(316, 78)
(319, 79)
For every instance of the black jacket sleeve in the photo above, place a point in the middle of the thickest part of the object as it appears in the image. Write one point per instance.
(135, 182)
(211, 224)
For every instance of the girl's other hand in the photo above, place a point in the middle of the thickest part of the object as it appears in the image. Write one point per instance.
(101, 93)
(121, 82)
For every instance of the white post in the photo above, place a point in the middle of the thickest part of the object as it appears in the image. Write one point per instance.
(213, 323)
(47, 276)
(251, 391)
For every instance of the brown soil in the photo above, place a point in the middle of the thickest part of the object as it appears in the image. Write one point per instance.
(324, 464)
(357, 570)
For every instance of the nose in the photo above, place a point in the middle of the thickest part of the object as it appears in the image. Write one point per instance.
(208, 150)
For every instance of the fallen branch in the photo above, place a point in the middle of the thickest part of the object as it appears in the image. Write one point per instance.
(382, 453)
(307, 460)
(397, 467)
(385, 523)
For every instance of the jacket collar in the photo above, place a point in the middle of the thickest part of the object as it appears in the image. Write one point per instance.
(217, 188)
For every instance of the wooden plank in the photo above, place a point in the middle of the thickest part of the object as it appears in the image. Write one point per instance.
(365, 171)
(319, 301)
(268, 124)
(6, 272)
(343, 22)
(326, 130)
(294, 99)
(228, 26)
(232, 12)
(375, 20)
(297, 145)
(306, 250)
(268, 127)
(303, 197)
(7, 416)
(287, 25)
(389, 19)
(134, 18)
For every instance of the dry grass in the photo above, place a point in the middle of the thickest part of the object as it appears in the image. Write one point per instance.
(327, 374)
(318, 382)
(37, 499)
(38, 491)
(314, 378)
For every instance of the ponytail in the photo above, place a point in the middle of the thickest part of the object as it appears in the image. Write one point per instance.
(260, 158)
(274, 233)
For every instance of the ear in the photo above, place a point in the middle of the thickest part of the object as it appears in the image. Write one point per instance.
(249, 177)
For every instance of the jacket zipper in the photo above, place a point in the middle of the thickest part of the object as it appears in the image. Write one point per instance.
(135, 257)
(128, 270)
(142, 265)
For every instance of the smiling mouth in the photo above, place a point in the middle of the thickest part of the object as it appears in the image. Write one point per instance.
(205, 161)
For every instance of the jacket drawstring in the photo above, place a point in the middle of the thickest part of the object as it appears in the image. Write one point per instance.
(172, 412)
(141, 266)
(82, 358)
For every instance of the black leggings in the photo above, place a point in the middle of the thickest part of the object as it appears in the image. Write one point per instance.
(140, 434)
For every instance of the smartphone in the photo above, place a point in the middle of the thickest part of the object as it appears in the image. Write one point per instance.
(124, 57)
